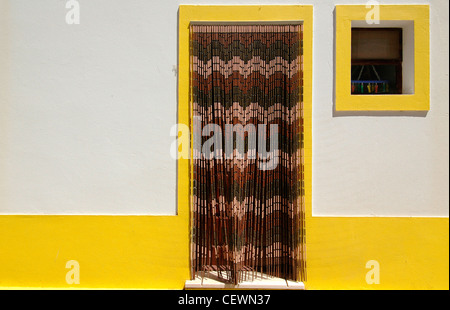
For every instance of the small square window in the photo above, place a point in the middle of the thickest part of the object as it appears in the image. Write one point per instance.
(382, 65)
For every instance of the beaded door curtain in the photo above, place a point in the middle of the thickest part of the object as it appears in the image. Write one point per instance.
(247, 189)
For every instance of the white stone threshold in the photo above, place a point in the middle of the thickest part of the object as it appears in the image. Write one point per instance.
(211, 281)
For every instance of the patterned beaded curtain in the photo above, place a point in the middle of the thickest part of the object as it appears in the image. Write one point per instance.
(247, 190)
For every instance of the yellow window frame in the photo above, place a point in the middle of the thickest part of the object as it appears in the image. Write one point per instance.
(420, 100)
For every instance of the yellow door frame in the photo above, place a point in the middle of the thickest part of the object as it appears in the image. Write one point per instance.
(246, 13)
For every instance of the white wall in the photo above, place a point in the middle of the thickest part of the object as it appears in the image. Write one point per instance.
(85, 114)
(87, 109)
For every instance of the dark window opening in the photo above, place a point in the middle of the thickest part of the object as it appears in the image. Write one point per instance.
(377, 57)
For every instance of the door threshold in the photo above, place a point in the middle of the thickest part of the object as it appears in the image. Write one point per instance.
(271, 283)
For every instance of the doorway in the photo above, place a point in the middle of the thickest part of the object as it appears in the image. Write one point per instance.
(248, 164)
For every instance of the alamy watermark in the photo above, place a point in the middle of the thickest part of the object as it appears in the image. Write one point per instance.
(73, 13)
(73, 275)
(373, 15)
(373, 275)
(261, 145)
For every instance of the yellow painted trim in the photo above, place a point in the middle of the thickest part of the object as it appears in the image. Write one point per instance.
(420, 100)
(413, 253)
(113, 251)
